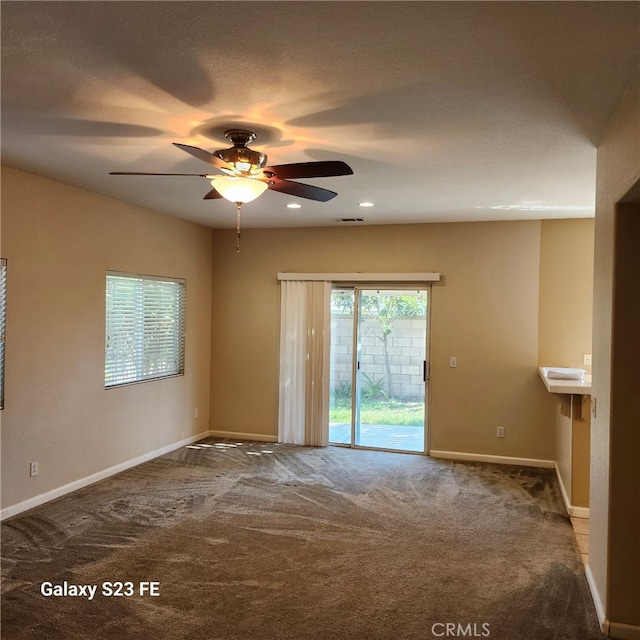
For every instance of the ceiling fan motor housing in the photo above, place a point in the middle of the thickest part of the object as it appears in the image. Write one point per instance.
(245, 160)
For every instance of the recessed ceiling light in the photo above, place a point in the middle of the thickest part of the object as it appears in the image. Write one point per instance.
(294, 205)
(365, 204)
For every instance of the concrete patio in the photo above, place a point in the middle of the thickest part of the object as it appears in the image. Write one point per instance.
(378, 436)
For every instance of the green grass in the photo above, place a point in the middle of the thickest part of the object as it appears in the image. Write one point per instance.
(392, 412)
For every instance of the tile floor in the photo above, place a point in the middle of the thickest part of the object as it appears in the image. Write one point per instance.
(581, 531)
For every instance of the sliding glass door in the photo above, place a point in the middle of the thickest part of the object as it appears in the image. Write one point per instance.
(379, 368)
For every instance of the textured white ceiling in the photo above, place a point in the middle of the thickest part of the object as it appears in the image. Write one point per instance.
(446, 111)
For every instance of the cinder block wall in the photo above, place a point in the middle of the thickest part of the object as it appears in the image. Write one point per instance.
(406, 348)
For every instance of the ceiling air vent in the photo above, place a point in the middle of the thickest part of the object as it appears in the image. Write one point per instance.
(348, 220)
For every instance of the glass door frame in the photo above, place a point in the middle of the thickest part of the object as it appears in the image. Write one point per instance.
(357, 288)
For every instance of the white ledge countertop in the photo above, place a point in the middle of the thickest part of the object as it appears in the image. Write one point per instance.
(575, 387)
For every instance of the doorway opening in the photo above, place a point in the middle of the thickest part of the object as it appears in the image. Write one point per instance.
(379, 368)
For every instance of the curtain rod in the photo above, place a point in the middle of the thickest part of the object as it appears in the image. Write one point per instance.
(362, 277)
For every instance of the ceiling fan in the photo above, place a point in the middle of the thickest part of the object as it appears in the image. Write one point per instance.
(246, 176)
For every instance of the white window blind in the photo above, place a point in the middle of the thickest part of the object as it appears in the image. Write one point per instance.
(144, 328)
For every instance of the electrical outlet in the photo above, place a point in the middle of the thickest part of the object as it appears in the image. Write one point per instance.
(33, 469)
(500, 432)
(453, 362)
(587, 359)
(195, 413)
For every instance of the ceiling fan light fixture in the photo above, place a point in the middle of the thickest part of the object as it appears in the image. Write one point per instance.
(236, 189)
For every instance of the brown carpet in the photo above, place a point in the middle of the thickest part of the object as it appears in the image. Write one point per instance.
(294, 543)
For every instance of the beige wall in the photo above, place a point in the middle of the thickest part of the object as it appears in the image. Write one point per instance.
(564, 443)
(60, 241)
(581, 450)
(485, 312)
(612, 522)
(566, 292)
(564, 332)
(572, 449)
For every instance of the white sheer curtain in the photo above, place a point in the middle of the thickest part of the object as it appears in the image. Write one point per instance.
(305, 323)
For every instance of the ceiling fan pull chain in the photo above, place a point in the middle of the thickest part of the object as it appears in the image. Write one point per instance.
(238, 205)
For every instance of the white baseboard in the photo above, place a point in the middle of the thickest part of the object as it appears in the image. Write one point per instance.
(36, 501)
(563, 491)
(574, 512)
(234, 435)
(482, 457)
(597, 601)
(579, 512)
(624, 631)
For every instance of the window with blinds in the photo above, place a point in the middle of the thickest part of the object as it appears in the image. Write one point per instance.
(144, 328)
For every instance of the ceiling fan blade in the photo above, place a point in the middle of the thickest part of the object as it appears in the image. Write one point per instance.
(205, 156)
(212, 195)
(301, 190)
(142, 173)
(320, 169)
